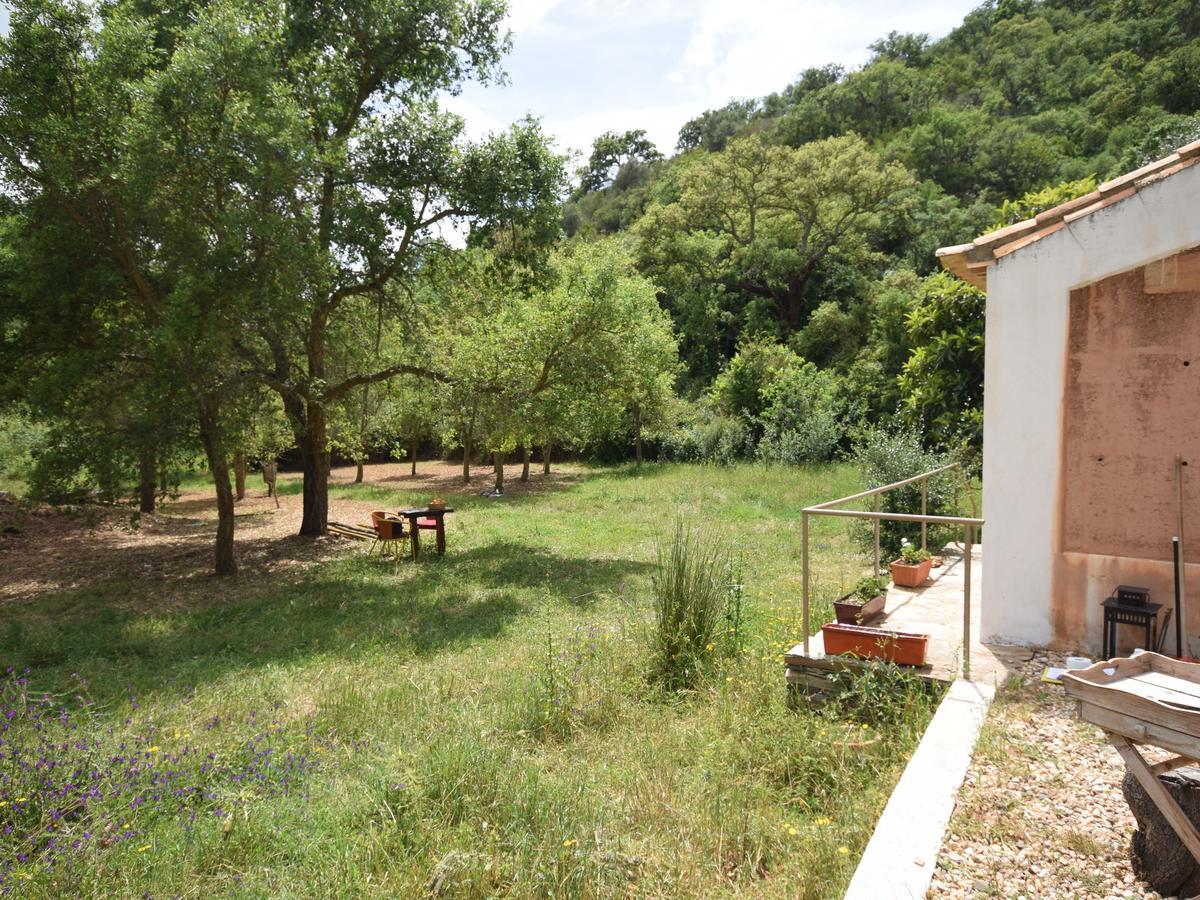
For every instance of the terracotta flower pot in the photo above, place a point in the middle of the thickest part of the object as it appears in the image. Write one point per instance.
(851, 611)
(900, 647)
(910, 574)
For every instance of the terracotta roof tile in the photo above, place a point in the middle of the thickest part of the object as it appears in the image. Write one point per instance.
(970, 262)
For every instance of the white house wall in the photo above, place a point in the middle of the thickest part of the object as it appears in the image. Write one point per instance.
(1025, 378)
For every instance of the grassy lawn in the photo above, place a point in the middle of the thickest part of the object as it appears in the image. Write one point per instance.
(475, 725)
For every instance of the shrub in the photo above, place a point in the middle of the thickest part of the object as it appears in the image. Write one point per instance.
(887, 456)
(814, 440)
(800, 417)
(691, 593)
(710, 438)
(20, 440)
(740, 390)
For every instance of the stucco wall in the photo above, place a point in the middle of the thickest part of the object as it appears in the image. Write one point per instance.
(1036, 589)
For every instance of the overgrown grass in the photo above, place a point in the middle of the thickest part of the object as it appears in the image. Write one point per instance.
(693, 583)
(477, 725)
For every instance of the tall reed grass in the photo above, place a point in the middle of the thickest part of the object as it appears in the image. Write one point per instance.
(691, 594)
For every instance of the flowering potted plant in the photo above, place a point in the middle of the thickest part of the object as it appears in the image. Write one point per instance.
(863, 603)
(912, 568)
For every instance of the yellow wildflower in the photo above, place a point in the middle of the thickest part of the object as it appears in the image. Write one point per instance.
(824, 820)
(143, 848)
(570, 842)
(844, 851)
(152, 749)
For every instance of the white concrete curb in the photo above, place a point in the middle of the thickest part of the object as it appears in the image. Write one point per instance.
(902, 854)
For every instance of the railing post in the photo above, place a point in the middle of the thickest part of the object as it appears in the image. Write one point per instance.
(924, 504)
(877, 537)
(804, 573)
(967, 536)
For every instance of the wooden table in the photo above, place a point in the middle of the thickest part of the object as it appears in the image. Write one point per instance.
(437, 514)
(1146, 699)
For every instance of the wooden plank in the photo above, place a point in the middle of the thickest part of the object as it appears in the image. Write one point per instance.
(1143, 732)
(1175, 816)
(1140, 687)
(1106, 684)
(1170, 765)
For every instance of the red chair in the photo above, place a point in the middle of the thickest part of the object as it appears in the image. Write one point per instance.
(390, 536)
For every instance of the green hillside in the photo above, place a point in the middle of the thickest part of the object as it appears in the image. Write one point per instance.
(1024, 99)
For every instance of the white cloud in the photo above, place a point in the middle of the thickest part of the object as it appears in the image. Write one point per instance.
(661, 123)
(757, 46)
(479, 122)
(590, 66)
(525, 15)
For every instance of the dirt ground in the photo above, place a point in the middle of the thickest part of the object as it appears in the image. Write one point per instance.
(46, 549)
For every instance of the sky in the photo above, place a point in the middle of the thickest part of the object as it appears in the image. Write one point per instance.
(589, 66)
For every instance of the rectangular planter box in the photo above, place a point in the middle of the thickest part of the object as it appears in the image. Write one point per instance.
(857, 613)
(899, 647)
(905, 575)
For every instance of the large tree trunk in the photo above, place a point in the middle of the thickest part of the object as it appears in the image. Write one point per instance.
(498, 459)
(546, 458)
(218, 465)
(467, 459)
(358, 474)
(792, 313)
(525, 454)
(314, 459)
(239, 475)
(146, 480)
(416, 445)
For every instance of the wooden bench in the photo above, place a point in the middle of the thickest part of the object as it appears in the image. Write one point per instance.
(392, 547)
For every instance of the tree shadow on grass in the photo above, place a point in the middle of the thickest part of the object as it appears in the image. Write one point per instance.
(347, 608)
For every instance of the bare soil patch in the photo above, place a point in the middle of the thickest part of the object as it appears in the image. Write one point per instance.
(165, 559)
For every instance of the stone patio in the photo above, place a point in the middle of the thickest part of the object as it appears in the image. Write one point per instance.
(936, 609)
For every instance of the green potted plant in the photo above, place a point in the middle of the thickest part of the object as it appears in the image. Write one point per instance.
(863, 603)
(912, 568)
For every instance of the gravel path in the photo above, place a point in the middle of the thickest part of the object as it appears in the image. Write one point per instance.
(1041, 813)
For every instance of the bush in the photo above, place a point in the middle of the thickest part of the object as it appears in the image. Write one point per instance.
(814, 440)
(20, 440)
(887, 456)
(709, 438)
(801, 421)
(741, 390)
(692, 591)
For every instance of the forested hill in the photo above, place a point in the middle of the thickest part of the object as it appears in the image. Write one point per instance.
(1023, 98)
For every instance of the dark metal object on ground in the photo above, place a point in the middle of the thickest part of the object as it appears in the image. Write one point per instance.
(1132, 596)
(1178, 597)
(1162, 632)
(1117, 613)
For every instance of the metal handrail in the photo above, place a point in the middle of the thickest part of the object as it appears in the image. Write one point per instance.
(924, 476)
(969, 525)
